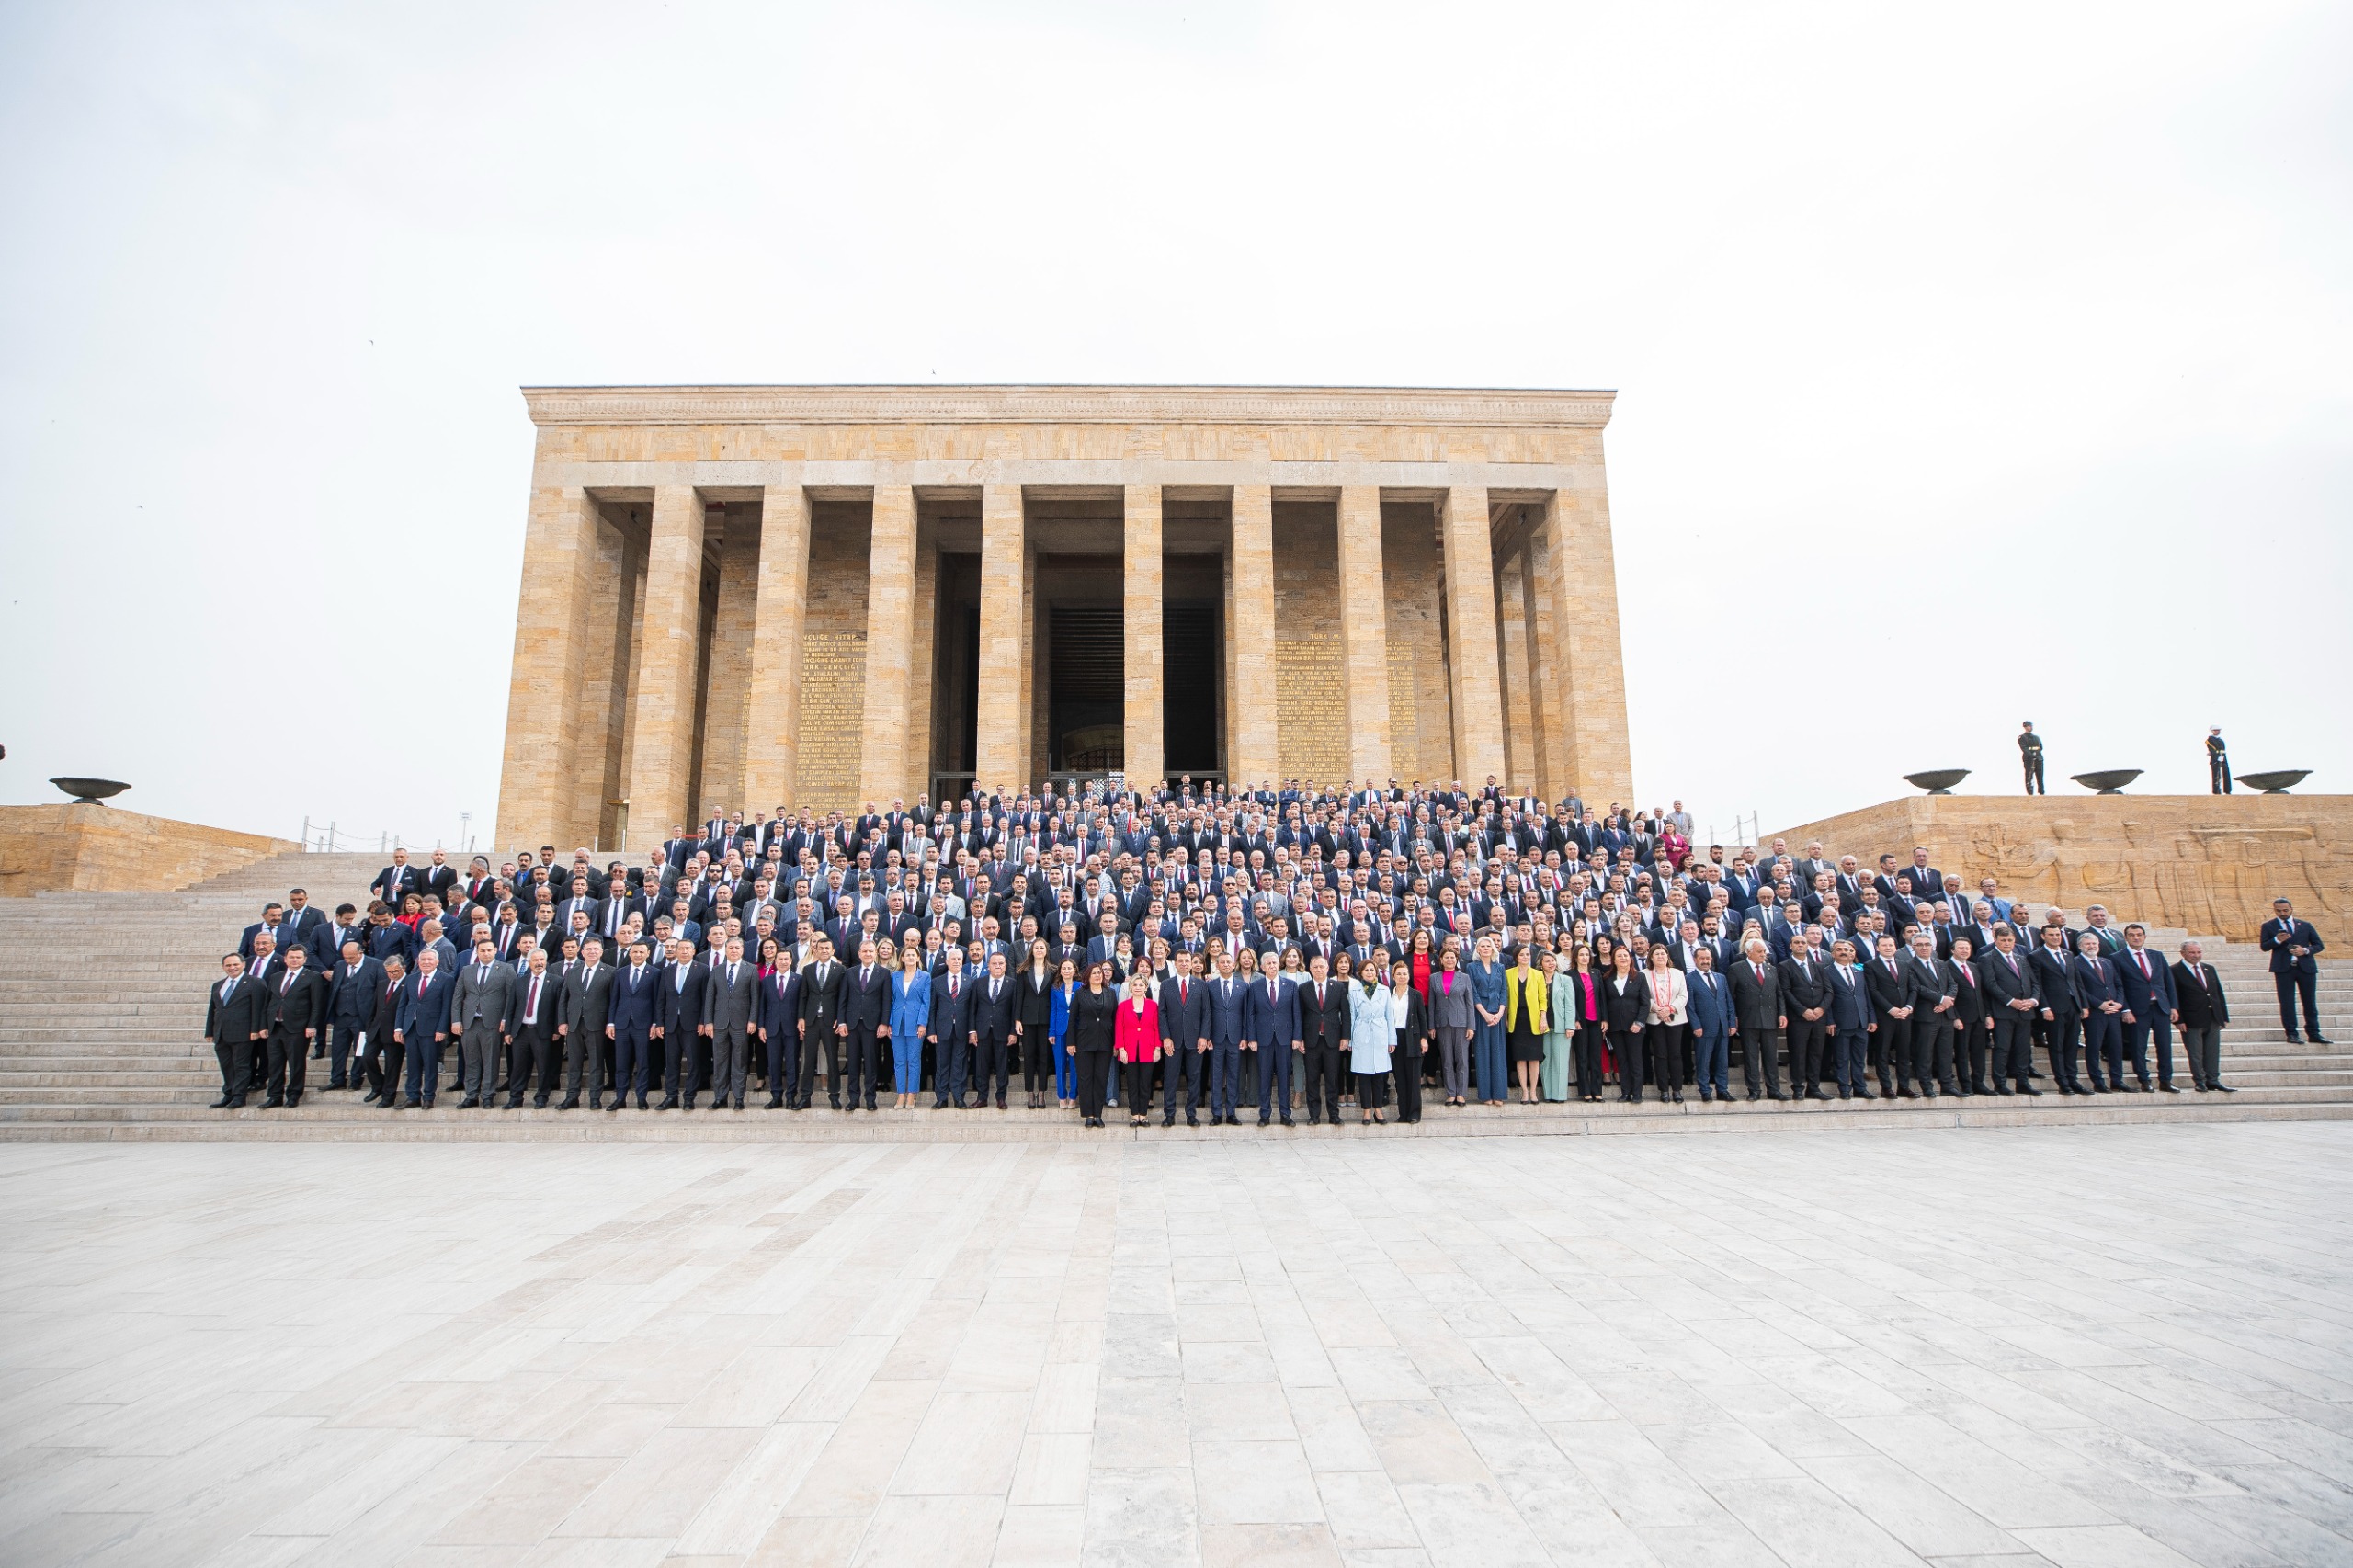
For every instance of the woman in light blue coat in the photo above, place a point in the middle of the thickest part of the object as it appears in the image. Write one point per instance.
(1490, 992)
(910, 1013)
(1372, 1030)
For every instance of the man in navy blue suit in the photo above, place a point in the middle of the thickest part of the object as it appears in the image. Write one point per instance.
(2292, 944)
(632, 1014)
(2150, 1007)
(1184, 1029)
(2101, 1005)
(1271, 1031)
(1712, 1018)
(1229, 1004)
(422, 1026)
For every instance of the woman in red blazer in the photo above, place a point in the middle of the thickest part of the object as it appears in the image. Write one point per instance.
(1135, 1041)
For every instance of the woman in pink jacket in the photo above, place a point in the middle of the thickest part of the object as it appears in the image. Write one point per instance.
(1135, 1042)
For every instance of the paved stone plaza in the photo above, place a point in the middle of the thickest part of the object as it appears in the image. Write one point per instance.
(2081, 1345)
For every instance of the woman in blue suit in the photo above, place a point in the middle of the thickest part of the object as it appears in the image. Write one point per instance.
(910, 1013)
(1489, 993)
(1058, 1035)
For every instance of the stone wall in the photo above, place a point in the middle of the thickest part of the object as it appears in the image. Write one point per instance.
(833, 658)
(96, 849)
(1310, 709)
(2211, 864)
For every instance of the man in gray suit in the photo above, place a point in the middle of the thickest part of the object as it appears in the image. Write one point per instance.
(731, 1014)
(587, 997)
(478, 1017)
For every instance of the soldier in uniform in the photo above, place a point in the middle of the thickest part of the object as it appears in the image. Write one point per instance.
(2218, 761)
(2031, 754)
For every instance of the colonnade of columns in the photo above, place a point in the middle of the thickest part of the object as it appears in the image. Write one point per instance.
(618, 653)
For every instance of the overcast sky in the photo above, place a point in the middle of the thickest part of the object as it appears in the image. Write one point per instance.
(1973, 365)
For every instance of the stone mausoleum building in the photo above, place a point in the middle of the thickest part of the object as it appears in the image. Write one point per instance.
(821, 596)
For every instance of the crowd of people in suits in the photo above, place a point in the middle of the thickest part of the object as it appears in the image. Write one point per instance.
(1284, 949)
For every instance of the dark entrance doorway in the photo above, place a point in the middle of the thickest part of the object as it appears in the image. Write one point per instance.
(1193, 653)
(1087, 689)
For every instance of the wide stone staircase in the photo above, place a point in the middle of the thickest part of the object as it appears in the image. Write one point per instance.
(102, 1001)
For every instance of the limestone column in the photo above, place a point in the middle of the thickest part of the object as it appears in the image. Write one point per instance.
(1250, 636)
(1470, 638)
(920, 668)
(1518, 705)
(664, 742)
(536, 790)
(889, 646)
(772, 722)
(1544, 663)
(1364, 632)
(1144, 734)
(1002, 727)
(1599, 763)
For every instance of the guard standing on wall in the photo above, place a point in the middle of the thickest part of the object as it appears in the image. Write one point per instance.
(2218, 760)
(2031, 754)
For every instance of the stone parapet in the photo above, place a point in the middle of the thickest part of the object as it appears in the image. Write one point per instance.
(2207, 864)
(93, 849)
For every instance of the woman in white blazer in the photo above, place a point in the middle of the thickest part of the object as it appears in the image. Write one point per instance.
(1670, 1024)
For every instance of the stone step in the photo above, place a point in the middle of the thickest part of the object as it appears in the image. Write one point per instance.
(445, 1124)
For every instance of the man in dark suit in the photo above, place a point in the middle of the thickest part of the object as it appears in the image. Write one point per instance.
(1890, 990)
(1227, 1004)
(1930, 1061)
(730, 1012)
(2292, 944)
(989, 1026)
(422, 1028)
(532, 1030)
(2102, 1010)
(1969, 1018)
(2006, 981)
(1759, 1019)
(821, 1023)
(380, 1052)
(1712, 1018)
(2150, 1007)
(866, 1009)
(632, 1014)
(588, 1026)
(2204, 1011)
(479, 1011)
(1184, 1030)
(948, 1030)
(1270, 1034)
(396, 881)
(351, 1007)
(297, 1014)
(1850, 1022)
(677, 1012)
(1805, 1002)
(1324, 1030)
(2062, 1009)
(236, 1020)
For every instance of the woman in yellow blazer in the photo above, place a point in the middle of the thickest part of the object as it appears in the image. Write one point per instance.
(1527, 992)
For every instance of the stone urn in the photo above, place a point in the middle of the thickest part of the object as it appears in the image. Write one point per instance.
(93, 791)
(1938, 782)
(2111, 783)
(2279, 782)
